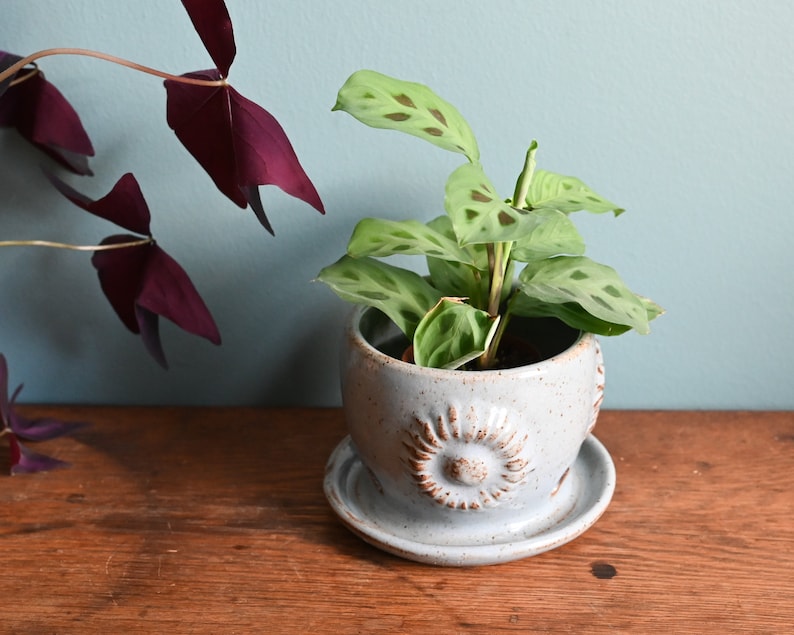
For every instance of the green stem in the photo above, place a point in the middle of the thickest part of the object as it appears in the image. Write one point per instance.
(25, 61)
(500, 263)
(55, 245)
(497, 278)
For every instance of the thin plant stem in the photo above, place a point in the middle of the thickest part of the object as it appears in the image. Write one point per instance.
(108, 58)
(32, 72)
(499, 265)
(56, 245)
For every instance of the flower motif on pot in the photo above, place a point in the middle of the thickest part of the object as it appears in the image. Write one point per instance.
(467, 463)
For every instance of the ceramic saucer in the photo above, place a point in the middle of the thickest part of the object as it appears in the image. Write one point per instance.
(362, 507)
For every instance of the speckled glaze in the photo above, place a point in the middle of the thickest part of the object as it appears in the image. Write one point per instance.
(457, 458)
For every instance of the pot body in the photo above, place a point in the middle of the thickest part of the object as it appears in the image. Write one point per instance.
(460, 455)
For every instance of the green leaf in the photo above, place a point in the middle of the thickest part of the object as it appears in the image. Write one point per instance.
(566, 194)
(569, 312)
(478, 214)
(452, 334)
(555, 235)
(401, 294)
(595, 287)
(380, 238)
(454, 278)
(381, 101)
(574, 315)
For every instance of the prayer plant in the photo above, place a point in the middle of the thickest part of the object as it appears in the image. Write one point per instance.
(239, 144)
(457, 315)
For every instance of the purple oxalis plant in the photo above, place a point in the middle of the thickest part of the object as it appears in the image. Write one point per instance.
(238, 143)
(16, 428)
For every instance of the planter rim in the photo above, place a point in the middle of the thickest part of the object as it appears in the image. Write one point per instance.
(354, 329)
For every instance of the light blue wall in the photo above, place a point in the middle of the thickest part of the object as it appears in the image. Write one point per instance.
(680, 111)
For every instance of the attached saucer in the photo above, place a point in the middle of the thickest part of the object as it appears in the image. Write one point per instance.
(588, 490)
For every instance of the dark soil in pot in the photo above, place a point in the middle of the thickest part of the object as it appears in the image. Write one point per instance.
(527, 341)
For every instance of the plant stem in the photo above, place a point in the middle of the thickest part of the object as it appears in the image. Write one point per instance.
(499, 261)
(108, 58)
(55, 245)
(31, 73)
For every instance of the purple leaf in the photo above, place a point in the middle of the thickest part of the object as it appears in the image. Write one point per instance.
(41, 429)
(141, 281)
(211, 21)
(167, 290)
(144, 282)
(42, 115)
(25, 461)
(238, 143)
(124, 205)
(120, 274)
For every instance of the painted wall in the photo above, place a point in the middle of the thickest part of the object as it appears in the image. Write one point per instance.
(680, 111)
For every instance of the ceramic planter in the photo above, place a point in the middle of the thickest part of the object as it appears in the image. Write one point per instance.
(469, 467)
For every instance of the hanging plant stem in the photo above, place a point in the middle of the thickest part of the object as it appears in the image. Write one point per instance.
(57, 245)
(30, 59)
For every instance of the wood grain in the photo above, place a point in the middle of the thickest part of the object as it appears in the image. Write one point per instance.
(214, 521)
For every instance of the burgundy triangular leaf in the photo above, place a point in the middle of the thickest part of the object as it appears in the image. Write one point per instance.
(237, 142)
(149, 325)
(121, 273)
(211, 21)
(201, 118)
(143, 282)
(168, 291)
(124, 205)
(42, 115)
(265, 155)
(26, 461)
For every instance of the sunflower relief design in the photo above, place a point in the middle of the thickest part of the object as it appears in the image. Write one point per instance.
(467, 463)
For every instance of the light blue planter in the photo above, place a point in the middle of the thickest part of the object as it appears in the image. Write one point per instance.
(468, 468)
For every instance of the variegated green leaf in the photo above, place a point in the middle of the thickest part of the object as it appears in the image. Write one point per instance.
(381, 101)
(452, 334)
(569, 312)
(555, 235)
(454, 278)
(566, 194)
(380, 238)
(478, 214)
(595, 287)
(401, 294)
(574, 315)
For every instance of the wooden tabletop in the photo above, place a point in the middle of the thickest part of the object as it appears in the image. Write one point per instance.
(203, 520)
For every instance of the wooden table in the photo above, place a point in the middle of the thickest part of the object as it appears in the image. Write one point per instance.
(192, 520)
